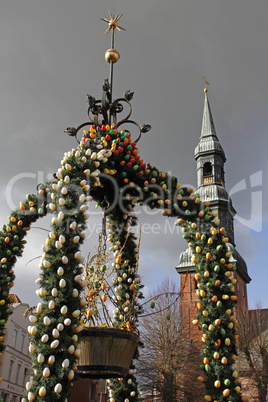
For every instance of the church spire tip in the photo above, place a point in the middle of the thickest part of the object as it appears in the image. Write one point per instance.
(208, 128)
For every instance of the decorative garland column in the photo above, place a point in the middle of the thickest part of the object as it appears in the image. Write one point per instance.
(127, 293)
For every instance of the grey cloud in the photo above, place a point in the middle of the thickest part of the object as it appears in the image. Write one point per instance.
(52, 55)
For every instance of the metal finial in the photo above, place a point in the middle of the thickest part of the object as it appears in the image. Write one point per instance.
(206, 83)
(112, 55)
(105, 111)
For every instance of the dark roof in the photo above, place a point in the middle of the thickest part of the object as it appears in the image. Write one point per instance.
(208, 140)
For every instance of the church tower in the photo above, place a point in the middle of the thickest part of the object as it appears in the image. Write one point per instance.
(210, 159)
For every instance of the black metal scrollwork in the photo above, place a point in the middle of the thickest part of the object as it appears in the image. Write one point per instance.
(104, 111)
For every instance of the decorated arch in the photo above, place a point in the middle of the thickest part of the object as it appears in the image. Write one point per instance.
(100, 170)
(106, 167)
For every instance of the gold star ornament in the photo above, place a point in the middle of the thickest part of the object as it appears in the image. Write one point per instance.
(113, 23)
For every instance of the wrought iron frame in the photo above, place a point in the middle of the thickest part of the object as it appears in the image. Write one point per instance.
(109, 110)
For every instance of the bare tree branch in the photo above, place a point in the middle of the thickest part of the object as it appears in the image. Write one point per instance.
(168, 365)
(253, 350)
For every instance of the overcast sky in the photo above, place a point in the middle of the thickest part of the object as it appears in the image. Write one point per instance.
(52, 55)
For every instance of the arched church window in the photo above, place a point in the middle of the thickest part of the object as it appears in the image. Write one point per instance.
(207, 169)
(207, 173)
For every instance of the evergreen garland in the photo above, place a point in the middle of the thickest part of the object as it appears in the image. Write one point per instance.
(217, 300)
(106, 165)
(127, 294)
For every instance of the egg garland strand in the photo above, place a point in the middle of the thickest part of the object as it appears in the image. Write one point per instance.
(12, 244)
(217, 299)
(60, 308)
(129, 292)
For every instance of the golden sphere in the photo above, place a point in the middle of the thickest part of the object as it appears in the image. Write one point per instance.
(112, 55)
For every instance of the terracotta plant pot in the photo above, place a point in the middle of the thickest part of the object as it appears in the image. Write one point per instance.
(106, 352)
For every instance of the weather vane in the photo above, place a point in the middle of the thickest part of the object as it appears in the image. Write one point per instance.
(206, 83)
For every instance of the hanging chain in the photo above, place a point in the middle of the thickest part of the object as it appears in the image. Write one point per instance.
(100, 244)
(103, 235)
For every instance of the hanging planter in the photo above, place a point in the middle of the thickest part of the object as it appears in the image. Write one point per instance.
(106, 352)
(107, 345)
